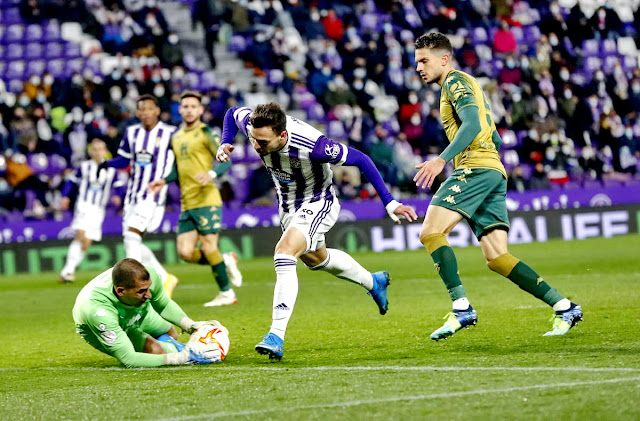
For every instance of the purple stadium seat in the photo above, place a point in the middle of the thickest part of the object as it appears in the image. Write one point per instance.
(590, 47)
(208, 80)
(34, 51)
(479, 36)
(191, 80)
(571, 185)
(13, 33)
(527, 170)
(591, 64)
(509, 139)
(73, 66)
(52, 31)
(56, 68)
(237, 44)
(3, 51)
(33, 33)
(369, 21)
(316, 113)
(609, 46)
(531, 34)
(275, 77)
(15, 70)
(14, 51)
(58, 164)
(518, 33)
(38, 162)
(629, 63)
(72, 50)
(35, 67)
(53, 50)
(609, 63)
(336, 131)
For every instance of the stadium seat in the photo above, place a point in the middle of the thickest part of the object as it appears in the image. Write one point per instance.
(52, 31)
(15, 70)
(627, 46)
(275, 77)
(13, 33)
(208, 80)
(35, 67)
(609, 47)
(590, 47)
(336, 131)
(53, 50)
(479, 36)
(11, 15)
(33, 33)
(56, 67)
(531, 34)
(237, 44)
(316, 113)
(14, 51)
(73, 66)
(33, 51)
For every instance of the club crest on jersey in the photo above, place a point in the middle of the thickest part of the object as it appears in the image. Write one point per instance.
(295, 162)
(281, 175)
(332, 150)
(143, 158)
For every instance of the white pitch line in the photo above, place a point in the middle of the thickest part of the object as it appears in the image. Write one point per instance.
(222, 367)
(400, 398)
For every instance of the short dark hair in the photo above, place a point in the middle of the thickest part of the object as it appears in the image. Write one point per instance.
(269, 114)
(148, 97)
(191, 94)
(434, 41)
(127, 271)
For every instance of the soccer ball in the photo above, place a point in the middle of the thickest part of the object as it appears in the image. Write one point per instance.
(211, 337)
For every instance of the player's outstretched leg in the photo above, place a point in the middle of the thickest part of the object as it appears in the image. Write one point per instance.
(343, 266)
(227, 295)
(567, 315)
(284, 299)
(445, 262)
(75, 255)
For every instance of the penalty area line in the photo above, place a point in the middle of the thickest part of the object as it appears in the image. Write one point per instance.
(408, 398)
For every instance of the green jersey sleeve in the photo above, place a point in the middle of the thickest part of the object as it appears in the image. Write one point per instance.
(160, 301)
(459, 92)
(104, 325)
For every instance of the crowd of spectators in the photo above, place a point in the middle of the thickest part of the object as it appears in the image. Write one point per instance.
(563, 94)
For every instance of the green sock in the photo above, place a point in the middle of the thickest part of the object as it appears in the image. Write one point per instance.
(222, 278)
(447, 267)
(528, 280)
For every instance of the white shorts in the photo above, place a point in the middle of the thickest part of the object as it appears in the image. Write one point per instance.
(145, 216)
(313, 220)
(88, 218)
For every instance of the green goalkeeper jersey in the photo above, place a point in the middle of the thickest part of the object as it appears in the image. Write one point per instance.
(105, 322)
(459, 91)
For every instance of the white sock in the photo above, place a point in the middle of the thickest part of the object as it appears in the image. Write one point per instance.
(340, 264)
(461, 304)
(74, 258)
(562, 305)
(132, 245)
(285, 292)
(148, 258)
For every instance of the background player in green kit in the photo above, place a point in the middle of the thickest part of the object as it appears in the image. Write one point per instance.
(475, 191)
(125, 313)
(195, 147)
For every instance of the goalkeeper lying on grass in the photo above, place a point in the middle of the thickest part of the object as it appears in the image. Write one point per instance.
(125, 313)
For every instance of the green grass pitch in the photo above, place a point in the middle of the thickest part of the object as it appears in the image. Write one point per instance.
(342, 359)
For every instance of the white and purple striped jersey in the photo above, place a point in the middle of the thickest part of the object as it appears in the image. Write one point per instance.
(300, 170)
(151, 159)
(92, 189)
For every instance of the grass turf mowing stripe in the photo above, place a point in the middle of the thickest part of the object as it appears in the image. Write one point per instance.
(401, 398)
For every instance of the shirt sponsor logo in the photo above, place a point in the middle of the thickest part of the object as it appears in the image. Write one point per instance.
(295, 162)
(109, 336)
(143, 158)
(281, 175)
(101, 313)
(332, 150)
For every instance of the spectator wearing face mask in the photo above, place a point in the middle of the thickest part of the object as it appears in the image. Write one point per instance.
(606, 23)
(510, 74)
(171, 52)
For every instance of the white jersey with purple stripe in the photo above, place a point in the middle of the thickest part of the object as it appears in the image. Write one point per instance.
(300, 170)
(91, 189)
(151, 159)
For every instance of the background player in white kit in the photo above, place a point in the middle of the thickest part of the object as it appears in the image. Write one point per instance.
(298, 156)
(146, 148)
(94, 191)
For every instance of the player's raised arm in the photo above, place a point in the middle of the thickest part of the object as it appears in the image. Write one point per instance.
(236, 118)
(327, 150)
